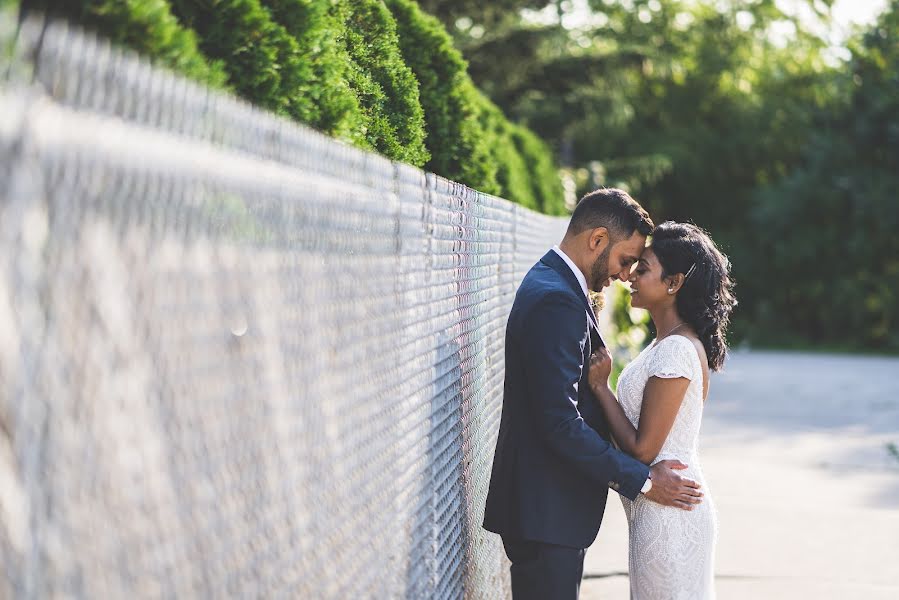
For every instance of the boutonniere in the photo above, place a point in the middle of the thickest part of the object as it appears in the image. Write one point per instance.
(597, 301)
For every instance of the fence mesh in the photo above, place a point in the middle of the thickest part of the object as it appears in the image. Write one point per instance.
(237, 358)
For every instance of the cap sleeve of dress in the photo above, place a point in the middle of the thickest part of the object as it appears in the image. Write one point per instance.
(673, 357)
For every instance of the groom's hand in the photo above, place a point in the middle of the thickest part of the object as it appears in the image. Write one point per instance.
(671, 489)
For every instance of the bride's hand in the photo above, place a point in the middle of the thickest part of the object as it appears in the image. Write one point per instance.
(600, 369)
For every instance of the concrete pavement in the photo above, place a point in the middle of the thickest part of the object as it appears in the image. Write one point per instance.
(796, 450)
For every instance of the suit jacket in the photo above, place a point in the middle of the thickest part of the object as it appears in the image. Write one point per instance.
(554, 463)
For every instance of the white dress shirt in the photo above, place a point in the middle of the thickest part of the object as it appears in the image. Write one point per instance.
(582, 280)
(577, 272)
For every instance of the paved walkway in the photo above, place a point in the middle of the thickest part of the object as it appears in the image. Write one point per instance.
(796, 450)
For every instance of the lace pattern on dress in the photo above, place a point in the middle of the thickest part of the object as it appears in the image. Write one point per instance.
(671, 550)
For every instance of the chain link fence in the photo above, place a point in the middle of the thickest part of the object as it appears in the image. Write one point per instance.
(237, 358)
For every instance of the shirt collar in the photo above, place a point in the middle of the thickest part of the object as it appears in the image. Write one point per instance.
(577, 272)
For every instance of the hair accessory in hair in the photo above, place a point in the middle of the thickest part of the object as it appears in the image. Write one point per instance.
(690, 272)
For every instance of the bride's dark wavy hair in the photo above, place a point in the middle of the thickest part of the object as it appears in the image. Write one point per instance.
(706, 300)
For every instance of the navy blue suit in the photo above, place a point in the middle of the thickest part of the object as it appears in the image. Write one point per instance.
(554, 463)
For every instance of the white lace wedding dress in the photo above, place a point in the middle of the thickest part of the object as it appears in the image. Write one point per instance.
(671, 550)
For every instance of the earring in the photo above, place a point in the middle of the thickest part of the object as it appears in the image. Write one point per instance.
(670, 290)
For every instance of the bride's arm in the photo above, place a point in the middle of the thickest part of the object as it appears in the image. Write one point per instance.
(662, 398)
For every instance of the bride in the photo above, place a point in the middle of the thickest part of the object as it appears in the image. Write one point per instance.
(683, 280)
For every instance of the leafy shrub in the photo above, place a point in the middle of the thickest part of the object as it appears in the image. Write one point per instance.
(325, 100)
(261, 58)
(455, 138)
(147, 27)
(386, 87)
(546, 185)
(511, 170)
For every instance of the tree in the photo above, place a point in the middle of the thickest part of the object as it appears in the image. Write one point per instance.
(703, 114)
(829, 226)
(485, 14)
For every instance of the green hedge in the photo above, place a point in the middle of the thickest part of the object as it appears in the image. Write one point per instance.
(455, 138)
(326, 101)
(380, 74)
(261, 58)
(146, 26)
(546, 185)
(469, 138)
(511, 169)
(386, 87)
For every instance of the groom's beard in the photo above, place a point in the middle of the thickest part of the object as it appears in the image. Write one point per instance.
(600, 271)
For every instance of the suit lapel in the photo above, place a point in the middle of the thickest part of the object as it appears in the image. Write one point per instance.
(554, 261)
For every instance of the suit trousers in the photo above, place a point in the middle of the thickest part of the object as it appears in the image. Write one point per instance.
(544, 571)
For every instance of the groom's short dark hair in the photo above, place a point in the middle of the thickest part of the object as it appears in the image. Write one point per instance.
(613, 209)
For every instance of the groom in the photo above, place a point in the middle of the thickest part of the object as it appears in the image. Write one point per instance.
(554, 463)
